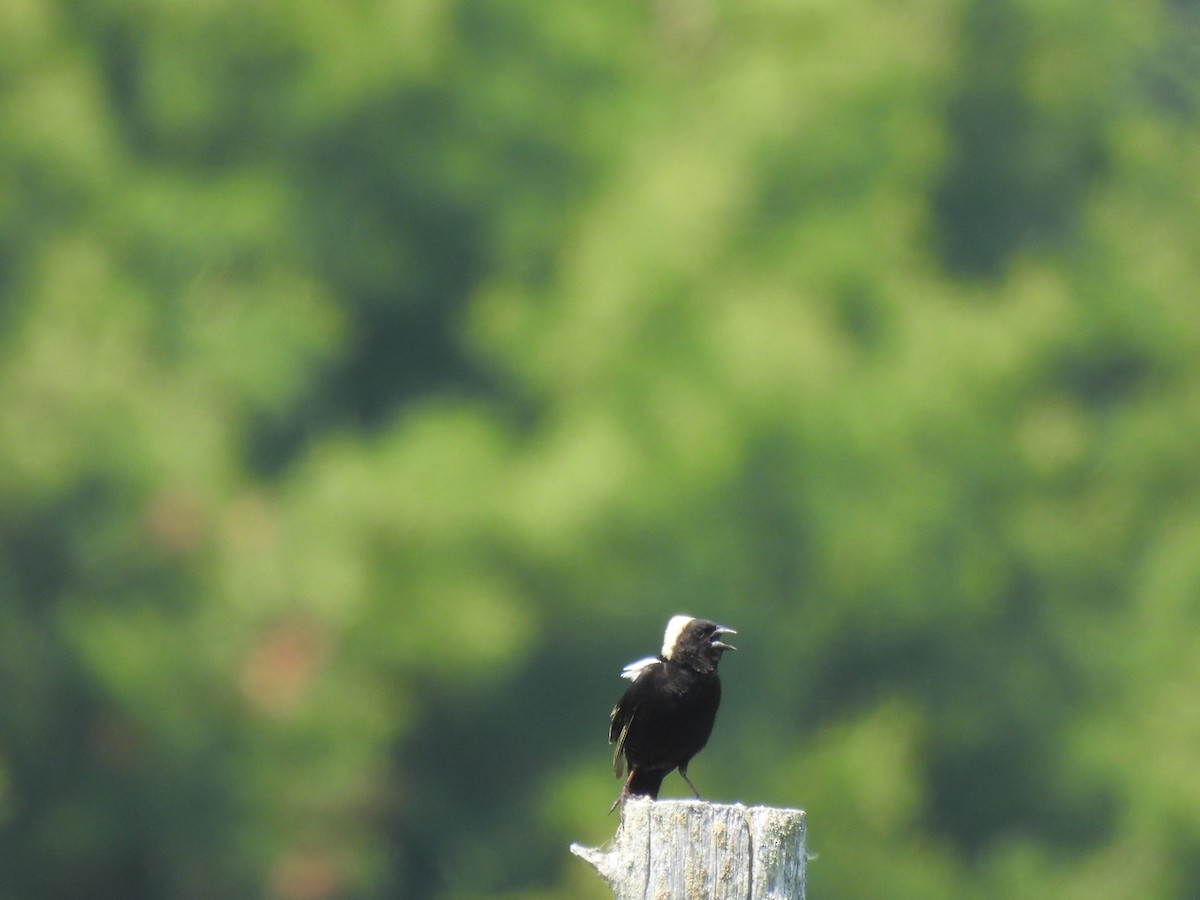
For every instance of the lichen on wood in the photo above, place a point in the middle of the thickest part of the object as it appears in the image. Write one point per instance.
(695, 850)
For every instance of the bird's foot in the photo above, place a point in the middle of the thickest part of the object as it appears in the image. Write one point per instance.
(689, 783)
(619, 801)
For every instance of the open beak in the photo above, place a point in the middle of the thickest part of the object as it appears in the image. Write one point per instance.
(721, 645)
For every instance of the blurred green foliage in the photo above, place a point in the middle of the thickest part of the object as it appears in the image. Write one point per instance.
(376, 379)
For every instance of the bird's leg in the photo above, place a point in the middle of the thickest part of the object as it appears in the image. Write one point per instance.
(624, 791)
(683, 772)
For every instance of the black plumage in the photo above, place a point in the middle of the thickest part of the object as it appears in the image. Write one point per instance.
(666, 716)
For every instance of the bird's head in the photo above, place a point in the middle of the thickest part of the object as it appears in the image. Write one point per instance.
(695, 643)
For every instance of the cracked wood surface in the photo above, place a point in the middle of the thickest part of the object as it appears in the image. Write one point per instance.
(696, 850)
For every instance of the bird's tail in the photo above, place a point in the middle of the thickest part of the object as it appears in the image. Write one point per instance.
(644, 783)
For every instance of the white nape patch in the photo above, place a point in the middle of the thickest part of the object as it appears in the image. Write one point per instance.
(634, 669)
(674, 629)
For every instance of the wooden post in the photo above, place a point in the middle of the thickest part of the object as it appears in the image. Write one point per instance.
(695, 850)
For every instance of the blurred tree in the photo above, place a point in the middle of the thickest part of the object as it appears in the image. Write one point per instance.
(376, 380)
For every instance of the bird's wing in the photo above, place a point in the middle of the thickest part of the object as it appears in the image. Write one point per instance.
(634, 669)
(622, 720)
(623, 713)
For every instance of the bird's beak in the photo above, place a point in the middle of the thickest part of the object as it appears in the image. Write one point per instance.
(721, 645)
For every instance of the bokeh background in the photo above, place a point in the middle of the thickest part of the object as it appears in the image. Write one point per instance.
(377, 377)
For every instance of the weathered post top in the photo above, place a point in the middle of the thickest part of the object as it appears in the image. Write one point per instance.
(695, 850)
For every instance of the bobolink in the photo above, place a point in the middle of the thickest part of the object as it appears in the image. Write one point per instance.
(665, 717)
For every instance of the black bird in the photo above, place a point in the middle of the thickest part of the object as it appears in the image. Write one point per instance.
(665, 717)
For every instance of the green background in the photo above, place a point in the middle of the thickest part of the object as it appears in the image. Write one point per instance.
(377, 377)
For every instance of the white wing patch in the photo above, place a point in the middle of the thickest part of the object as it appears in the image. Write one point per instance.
(634, 669)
